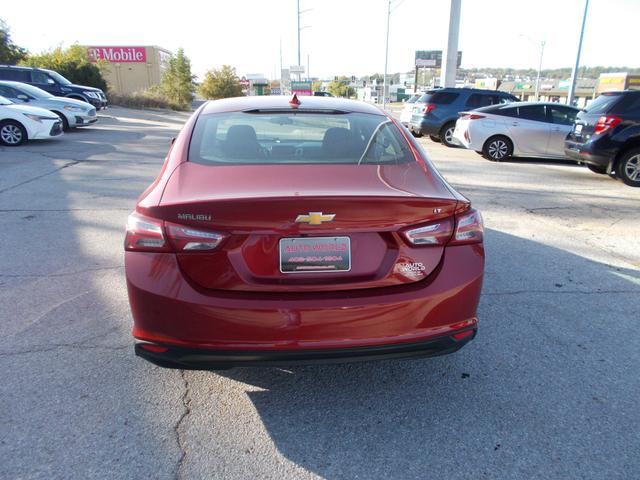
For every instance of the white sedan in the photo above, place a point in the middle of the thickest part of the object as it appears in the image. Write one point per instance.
(19, 123)
(407, 108)
(522, 129)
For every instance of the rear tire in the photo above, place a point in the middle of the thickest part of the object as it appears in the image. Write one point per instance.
(435, 138)
(497, 148)
(628, 167)
(63, 119)
(416, 134)
(446, 134)
(597, 169)
(12, 133)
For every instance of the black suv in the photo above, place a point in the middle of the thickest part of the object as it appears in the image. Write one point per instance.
(436, 112)
(606, 136)
(54, 83)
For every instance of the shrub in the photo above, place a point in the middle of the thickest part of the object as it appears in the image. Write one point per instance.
(151, 98)
(72, 63)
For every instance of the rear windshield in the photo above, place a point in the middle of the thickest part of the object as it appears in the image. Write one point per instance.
(413, 98)
(439, 98)
(603, 104)
(242, 138)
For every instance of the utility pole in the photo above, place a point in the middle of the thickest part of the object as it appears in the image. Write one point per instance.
(298, 4)
(537, 94)
(386, 58)
(450, 53)
(574, 73)
(280, 76)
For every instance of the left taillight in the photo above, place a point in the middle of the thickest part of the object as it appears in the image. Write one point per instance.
(145, 234)
(188, 239)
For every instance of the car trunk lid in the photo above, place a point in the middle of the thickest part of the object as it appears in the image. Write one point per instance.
(264, 210)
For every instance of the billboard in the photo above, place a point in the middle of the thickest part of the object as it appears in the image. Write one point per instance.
(432, 58)
(301, 88)
(118, 54)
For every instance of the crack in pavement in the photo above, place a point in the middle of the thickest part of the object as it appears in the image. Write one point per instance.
(55, 275)
(24, 210)
(55, 346)
(186, 402)
(66, 165)
(563, 292)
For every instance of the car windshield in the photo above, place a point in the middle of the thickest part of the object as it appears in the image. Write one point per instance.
(58, 78)
(32, 91)
(242, 138)
(602, 104)
(5, 101)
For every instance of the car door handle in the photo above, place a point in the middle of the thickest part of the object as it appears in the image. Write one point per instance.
(515, 124)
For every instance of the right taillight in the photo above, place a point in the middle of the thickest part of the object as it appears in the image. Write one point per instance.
(436, 233)
(606, 122)
(469, 228)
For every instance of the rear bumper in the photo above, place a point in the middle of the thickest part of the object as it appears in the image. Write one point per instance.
(169, 310)
(588, 152)
(426, 126)
(201, 359)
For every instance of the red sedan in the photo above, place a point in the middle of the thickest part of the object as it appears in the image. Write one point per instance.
(284, 231)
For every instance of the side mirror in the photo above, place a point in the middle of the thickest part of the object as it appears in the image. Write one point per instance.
(23, 97)
(173, 140)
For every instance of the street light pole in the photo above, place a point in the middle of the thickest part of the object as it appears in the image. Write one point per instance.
(298, 4)
(537, 94)
(574, 73)
(386, 58)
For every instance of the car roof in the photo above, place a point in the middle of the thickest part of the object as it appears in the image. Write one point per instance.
(16, 67)
(281, 102)
(468, 89)
(12, 83)
(526, 104)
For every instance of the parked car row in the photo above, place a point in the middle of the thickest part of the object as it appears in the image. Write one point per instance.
(605, 136)
(54, 83)
(435, 113)
(29, 113)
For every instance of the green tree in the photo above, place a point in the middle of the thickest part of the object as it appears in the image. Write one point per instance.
(222, 83)
(341, 88)
(316, 86)
(177, 83)
(72, 63)
(10, 53)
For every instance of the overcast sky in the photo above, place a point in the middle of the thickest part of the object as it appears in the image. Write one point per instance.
(343, 37)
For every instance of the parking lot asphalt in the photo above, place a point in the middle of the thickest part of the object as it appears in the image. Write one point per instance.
(548, 389)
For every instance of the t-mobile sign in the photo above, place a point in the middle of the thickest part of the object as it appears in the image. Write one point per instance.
(117, 54)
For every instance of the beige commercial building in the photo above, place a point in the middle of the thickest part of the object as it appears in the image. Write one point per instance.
(131, 69)
(609, 82)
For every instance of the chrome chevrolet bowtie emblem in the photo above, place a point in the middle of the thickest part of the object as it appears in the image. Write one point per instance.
(315, 218)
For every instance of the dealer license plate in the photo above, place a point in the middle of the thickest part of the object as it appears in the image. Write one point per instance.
(315, 254)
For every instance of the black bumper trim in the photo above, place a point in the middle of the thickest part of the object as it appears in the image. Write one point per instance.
(201, 359)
